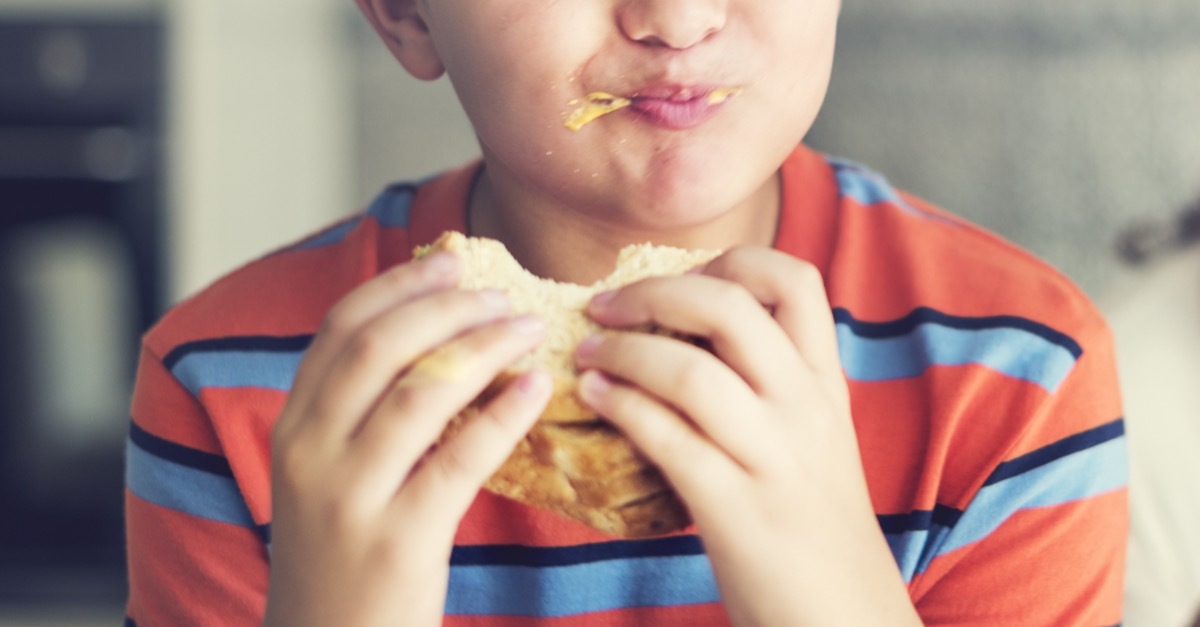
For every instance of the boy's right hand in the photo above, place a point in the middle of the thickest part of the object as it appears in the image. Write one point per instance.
(365, 506)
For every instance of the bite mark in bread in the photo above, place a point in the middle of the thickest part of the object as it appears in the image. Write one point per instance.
(572, 462)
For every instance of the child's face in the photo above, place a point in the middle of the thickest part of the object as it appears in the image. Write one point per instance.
(671, 159)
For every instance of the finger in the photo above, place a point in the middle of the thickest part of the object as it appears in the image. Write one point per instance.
(413, 414)
(690, 461)
(447, 482)
(372, 357)
(742, 333)
(389, 289)
(686, 377)
(795, 291)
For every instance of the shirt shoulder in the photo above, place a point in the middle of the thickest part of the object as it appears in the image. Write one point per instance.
(910, 253)
(287, 292)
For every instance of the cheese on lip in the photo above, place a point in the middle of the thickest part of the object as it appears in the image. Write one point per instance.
(599, 103)
(721, 94)
(594, 105)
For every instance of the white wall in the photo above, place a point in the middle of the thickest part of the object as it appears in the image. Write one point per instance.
(405, 128)
(259, 129)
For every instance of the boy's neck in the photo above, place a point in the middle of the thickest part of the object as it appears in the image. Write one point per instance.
(570, 246)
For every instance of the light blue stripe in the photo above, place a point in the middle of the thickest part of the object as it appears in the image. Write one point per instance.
(331, 236)
(906, 548)
(184, 489)
(391, 208)
(580, 588)
(862, 185)
(867, 187)
(913, 550)
(1014, 352)
(272, 370)
(1087, 473)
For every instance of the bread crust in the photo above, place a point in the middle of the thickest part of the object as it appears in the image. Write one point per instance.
(572, 462)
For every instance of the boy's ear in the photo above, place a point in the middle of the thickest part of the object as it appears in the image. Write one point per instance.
(406, 35)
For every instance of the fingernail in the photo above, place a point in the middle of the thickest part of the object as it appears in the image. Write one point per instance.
(588, 346)
(593, 385)
(441, 262)
(601, 300)
(527, 324)
(494, 300)
(533, 382)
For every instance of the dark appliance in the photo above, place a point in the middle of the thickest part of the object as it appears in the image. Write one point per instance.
(80, 278)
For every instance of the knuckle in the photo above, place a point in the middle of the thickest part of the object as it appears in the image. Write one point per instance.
(406, 278)
(389, 554)
(734, 294)
(365, 348)
(398, 402)
(289, 468)
(693, 375)
(670, 443)
(807, 276)
(343, 515)
(741, 253)
(454, 465)
(337, 321)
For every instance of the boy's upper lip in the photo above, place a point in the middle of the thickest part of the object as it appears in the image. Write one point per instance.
(673, 91)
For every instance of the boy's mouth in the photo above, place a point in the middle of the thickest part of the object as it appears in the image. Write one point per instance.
(675, 107)
(681, 108)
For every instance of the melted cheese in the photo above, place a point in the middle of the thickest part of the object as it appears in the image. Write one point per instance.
(721, 94)
(593, 106)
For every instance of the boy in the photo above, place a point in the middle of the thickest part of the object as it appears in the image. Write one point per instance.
(945, 446)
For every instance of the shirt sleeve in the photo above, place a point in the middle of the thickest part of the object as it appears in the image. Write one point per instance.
(1042, 540)
(195, 555)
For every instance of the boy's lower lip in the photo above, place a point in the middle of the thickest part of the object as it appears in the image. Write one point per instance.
(676, 114)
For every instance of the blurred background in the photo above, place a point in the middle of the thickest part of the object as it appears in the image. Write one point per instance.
(148, 146)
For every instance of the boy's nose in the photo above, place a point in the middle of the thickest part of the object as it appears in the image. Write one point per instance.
(677, 24)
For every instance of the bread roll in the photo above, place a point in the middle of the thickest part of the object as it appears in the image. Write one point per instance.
(572, 462)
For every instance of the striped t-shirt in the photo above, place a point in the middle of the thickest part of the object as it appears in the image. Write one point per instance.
(983, 393)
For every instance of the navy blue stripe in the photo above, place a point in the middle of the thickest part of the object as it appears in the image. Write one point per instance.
(1058, 450)
(919, 520)
(129, 622)
(246, 343)
(926, 315)
(541, 557)
(178, 453)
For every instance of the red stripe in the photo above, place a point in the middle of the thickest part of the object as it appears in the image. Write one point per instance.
(163, 407)
(1061, 565)
(186, 571)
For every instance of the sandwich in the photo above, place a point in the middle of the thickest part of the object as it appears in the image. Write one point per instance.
(572, 462)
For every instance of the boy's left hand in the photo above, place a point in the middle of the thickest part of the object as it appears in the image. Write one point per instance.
(756, 435)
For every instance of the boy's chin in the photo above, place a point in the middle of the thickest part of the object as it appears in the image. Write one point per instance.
(672, 213)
